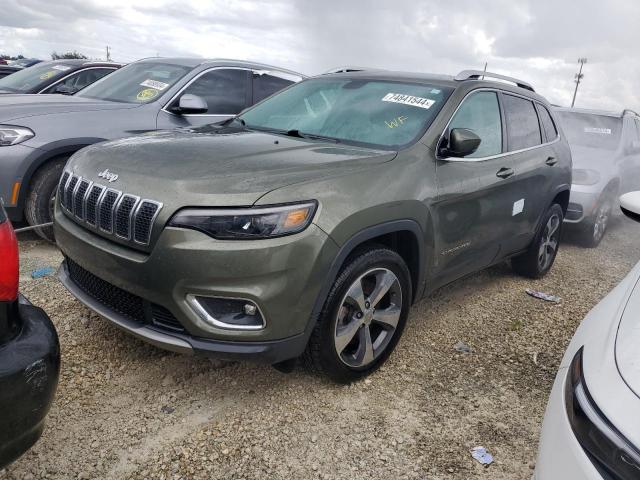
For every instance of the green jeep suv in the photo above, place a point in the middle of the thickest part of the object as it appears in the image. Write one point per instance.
(308, 225)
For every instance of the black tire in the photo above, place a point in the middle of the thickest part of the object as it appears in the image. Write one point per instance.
(321, 355)
(39, 204)
(595, 227)
(531, 263)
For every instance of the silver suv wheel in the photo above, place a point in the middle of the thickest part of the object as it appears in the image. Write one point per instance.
(368, 317)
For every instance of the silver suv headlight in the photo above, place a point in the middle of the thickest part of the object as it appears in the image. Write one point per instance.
(10, 135)
(247, 223)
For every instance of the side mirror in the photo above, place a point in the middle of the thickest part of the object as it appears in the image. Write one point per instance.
(190, 104)
(630, 205)
(63, 89)
(462, 142)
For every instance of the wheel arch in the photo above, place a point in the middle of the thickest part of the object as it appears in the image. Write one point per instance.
(52, 152)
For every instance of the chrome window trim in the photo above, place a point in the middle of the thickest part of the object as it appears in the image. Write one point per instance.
(119, 193)
(73, 73)
(115, 214)
(151, 222)
(500, 155)
(98, 202)
(193, 302)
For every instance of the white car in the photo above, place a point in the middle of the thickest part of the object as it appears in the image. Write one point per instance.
(591, 428)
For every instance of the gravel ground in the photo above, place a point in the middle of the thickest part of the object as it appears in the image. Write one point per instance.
(128, 410)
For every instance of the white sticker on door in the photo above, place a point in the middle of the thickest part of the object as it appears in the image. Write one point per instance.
(518, 207)
(408, 100)
(154, 84)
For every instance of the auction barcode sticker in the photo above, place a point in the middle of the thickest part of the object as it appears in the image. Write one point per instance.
(408, 100)
(154, 84)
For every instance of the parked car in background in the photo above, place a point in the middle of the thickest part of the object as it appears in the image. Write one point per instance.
(39, 133)
(6, 70)
(606, 162)
(25, 62)
(59, 76)
(29, 357)
(591, 429)
(310, 223)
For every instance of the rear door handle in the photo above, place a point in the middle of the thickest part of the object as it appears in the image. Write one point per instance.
(505, 172)
(551, 161)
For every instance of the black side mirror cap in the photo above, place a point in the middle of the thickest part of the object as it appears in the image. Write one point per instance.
(462, 142)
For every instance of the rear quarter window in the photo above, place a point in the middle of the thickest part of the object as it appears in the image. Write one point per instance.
(523, 129)
(548, 125)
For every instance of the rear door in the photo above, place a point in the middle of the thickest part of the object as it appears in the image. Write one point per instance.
(535, 163)
(475, 193)
(227, 92)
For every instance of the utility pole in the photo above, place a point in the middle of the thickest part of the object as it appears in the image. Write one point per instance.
(108, 53)
(579, 76)
(485, 68)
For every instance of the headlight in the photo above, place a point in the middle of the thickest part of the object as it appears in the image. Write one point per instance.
(247, 223)
(604, 443)
(585, 177)
(10, 135)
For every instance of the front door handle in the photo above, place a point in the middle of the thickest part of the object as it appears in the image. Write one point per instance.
(505, 172)
(551, 161)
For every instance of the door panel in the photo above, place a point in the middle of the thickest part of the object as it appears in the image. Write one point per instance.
(475, 194)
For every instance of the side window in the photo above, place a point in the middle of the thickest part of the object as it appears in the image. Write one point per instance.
(265, 85)
(480, 113)
(547, 123)
(522, 123)
(77, 81)
(224, 90)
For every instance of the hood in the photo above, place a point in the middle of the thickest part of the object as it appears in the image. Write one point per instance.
(628, 341)
(598, 159)
(224, 168)
(13, 107)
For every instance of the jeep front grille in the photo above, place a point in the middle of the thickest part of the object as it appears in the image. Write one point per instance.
(111, 211)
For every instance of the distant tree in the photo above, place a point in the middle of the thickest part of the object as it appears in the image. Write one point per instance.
(62, 56)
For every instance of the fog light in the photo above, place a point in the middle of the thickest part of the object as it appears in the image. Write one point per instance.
(228, 313)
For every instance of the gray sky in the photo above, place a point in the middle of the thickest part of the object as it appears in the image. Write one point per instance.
(537, 40)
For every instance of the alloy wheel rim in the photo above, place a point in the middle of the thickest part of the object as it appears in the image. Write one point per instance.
(368, 317)
(549, 242)
(600, 225)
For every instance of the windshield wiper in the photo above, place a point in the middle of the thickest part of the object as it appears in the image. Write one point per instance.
(229, 121)
(313, 136)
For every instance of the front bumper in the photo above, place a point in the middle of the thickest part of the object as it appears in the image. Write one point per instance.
(14, 163)
(582, 202)
(560, 456)
(29, 369)
(282, 276)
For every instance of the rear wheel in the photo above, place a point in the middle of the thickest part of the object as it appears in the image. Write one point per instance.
(539, 258)
(596, 226)
(363, 317)
(42, 195)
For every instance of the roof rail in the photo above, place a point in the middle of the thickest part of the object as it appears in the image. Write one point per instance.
(347, 69)
(632, 112)
(479, 74)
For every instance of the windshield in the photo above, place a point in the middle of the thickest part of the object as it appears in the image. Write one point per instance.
(380, 113)
(23, 81)
(136, 83)
(588, 130)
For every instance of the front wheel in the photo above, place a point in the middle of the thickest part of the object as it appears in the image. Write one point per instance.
(596, 226)
(42, 195)
(539, 257)
(363, 316)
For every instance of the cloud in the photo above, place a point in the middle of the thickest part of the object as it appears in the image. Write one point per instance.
(539, 41)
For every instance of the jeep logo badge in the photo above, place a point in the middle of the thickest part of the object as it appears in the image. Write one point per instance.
(108, 176)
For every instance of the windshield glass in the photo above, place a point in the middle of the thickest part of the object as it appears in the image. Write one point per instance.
(136, 83)
(24, 81)
(380, 113)
(588, 130)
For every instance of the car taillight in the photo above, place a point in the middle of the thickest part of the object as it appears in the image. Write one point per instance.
(8, 263)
